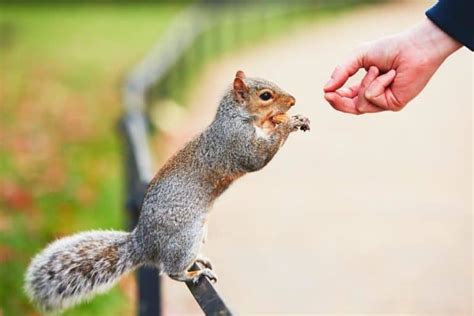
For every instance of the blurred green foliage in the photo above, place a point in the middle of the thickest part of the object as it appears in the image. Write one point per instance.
(60, 158)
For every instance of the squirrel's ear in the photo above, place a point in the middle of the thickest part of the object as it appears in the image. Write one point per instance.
(240, 74)
(240, 89)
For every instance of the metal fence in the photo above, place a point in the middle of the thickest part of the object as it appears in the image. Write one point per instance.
(135, 126)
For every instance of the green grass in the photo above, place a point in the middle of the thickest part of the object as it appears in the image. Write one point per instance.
(60, 156)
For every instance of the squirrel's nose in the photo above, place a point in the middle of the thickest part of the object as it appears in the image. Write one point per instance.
(291, 101)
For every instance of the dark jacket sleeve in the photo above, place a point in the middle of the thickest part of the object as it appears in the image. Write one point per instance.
(456, 18)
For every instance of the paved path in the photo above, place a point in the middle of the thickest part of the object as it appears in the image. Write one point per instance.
(362, 214)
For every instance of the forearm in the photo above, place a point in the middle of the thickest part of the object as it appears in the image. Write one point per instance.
(437, 44)
(455, 18)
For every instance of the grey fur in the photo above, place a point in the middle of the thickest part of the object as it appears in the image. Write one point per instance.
(75, 268)
(173, 216)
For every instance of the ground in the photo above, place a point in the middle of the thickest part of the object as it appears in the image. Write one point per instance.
(367, 214)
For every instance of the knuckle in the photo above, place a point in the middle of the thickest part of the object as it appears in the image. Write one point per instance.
(396, 105)
(396, 108)
(359, 111)
(361, 105)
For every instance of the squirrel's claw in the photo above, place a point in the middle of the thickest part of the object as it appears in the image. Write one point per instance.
(207, 273)
(205, 262)
(305, 127)
(194, 276)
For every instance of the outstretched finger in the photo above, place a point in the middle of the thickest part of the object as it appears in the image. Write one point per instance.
(343, 104)
(342, 99)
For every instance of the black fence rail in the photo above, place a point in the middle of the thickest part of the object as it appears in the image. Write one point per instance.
(197, 34)
(135, 127)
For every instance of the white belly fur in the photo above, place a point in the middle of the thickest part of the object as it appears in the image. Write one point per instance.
(261, 133)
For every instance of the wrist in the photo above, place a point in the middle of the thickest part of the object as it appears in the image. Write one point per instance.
(437, 44)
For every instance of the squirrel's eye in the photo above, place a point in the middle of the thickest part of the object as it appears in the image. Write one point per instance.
(265, 96)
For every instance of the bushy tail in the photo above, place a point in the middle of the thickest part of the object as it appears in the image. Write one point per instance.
(77, 267)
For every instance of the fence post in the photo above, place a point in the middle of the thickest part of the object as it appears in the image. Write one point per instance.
(136, 177)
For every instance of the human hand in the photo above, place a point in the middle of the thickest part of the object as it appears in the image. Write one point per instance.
(398, 68)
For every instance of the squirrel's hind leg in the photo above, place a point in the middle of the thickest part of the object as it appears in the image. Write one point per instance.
(194, 276)
(181, 252)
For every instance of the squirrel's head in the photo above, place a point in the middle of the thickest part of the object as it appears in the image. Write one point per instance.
(260, 98)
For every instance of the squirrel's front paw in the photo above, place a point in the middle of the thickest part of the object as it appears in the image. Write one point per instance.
(299, 122)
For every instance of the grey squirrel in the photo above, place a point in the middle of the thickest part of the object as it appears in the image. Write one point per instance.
(250, 126)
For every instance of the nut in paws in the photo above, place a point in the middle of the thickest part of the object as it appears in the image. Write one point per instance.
(300, 122)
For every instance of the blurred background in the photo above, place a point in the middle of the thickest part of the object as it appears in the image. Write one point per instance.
(369, 214)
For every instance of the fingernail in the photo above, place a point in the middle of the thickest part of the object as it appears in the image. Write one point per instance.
(374, 70)
(344, 90)
(329, 83)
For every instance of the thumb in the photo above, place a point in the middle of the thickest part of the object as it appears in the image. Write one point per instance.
(375, 92)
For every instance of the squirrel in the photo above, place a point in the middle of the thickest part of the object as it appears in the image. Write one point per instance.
(250, 126)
